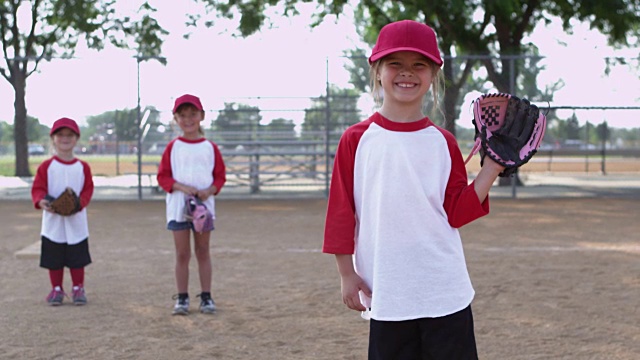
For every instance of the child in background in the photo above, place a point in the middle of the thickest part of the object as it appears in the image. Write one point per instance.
(399, 192)
(190, 165)
(65, 239)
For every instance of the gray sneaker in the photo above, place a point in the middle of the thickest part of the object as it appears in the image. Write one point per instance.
(207, 306)
(181, 307)
(78, 296)
(55, 297)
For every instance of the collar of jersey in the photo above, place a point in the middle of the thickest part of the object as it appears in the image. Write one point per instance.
(68, 162)
(194, 141)
(401, 126)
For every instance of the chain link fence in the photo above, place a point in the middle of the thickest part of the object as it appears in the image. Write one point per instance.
(285, 144)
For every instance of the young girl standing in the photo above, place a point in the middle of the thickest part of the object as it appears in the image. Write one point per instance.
(399, 193)
(65, 239)
(190, 165)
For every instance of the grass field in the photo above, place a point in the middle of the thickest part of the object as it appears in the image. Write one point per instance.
(109, 165)
(101, 165)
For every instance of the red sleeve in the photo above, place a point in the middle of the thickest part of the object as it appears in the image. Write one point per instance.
(87, 188)
(219, 170)
(40, 187)
(165, 175)
(461, 201)
(340, 223)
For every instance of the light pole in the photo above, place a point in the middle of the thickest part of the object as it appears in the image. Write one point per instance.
(139, 59)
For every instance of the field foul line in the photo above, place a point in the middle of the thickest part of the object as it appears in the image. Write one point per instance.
(629, 248)
(33, 251)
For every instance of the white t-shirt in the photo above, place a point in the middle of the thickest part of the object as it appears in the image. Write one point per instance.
(196, 163)
(52, 178)
(399, 191)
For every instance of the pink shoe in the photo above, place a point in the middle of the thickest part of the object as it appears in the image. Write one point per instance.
(78, 296)
(55, 297)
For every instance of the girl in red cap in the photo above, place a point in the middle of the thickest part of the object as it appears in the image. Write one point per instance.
(65, 238)
(191, 166)
(399, 193)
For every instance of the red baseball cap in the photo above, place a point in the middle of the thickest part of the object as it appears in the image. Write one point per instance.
(187, 99)
(65, 123)
(406, 35)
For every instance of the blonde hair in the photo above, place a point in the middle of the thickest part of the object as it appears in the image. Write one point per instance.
(437, 84)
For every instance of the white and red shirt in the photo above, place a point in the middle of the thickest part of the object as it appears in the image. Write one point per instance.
(53, 176)
(399, 191)
(196, 163)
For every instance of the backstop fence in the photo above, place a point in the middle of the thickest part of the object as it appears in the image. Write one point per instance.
(284, 145)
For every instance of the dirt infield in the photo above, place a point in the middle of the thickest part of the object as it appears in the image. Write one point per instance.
(565, 286)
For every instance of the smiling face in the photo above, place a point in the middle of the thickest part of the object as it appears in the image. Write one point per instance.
(405, 77)
(188, 118)
(64, 140)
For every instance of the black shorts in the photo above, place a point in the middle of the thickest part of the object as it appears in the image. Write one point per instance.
(55, 256)
(449, 337)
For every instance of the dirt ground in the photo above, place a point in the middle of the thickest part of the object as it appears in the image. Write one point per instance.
(566, 285)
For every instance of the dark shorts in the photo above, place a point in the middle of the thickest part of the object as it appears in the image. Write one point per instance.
(182, 225)
(449, 337)
(54, 256)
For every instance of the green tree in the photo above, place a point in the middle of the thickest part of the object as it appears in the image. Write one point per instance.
(343, 112)
(279, 129)
(6, 132)
(36, 132)
(572, 128)
(603, 132)
(6, 136)
(238, 122)
(54, 28)
(121, 123)
(358, 69)
(498, 34)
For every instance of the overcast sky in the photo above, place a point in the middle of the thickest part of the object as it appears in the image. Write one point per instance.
(287, 61)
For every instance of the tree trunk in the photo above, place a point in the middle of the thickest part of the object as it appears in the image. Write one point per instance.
(450, 98)
(20, 125)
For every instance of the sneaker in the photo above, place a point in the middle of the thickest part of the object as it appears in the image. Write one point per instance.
(55, 297)
(182, 305)
(207, 306)
(78, 296)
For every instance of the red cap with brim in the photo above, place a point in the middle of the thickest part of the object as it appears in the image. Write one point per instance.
(65, 123)
(406, 35)
(187, 99)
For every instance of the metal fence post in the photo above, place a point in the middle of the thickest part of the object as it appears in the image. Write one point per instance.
(139, 134)
(327, 129)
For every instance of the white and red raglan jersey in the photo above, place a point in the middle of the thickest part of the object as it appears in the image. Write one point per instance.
(53, 176)
(196, 163)
(399, 191)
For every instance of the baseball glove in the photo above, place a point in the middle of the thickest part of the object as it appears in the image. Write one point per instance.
(68, 203)
(197, 213)
(508, 129)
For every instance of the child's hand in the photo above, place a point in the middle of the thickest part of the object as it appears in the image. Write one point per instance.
(205, 193)
(351, 286)
(44, 204)
(189, 190)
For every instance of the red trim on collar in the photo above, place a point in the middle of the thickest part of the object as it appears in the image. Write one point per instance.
(401, 126)
(68, 162)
